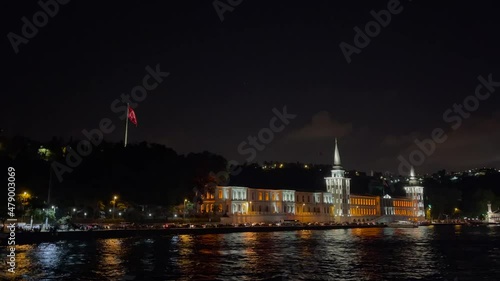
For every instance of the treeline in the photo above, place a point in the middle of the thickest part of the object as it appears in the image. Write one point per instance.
(143, 173)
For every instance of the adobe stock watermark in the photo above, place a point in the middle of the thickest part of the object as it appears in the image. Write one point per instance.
(454, 116)
(372, 29)
(94, 137)
(228, 6)
(29, 30)
(253, 144)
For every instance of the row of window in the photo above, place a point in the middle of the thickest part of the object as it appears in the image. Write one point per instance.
(403, 212)
(274, 196)
(362, 211)
(362, 201)
(402, 204)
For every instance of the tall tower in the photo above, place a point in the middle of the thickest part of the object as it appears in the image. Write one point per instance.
(489, 213)
(415, 192)
(339, 186)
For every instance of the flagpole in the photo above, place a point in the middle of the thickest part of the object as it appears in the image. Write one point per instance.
(126, 127)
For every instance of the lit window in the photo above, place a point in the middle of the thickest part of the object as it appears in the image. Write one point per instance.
(220, 194)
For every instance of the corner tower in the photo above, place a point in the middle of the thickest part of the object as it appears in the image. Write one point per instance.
(339, 186)
(415, 192)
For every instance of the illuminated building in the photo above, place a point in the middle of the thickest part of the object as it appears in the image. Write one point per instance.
(239, 204)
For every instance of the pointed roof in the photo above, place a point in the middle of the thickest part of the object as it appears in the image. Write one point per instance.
(336, 156)
(413, 179)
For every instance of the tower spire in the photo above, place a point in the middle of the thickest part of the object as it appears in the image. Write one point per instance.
(413, 178)
(336, 156)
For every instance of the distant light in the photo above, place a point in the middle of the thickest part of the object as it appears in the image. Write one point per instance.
(120, 214)
(84, 214)
(110, 210)
(281, 165)
(74, 210)
(175, 215)
(149, 214)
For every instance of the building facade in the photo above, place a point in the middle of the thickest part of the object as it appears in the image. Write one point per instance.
(492, 217)
(239, 204)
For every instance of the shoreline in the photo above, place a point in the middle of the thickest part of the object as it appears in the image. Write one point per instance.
(41, 237)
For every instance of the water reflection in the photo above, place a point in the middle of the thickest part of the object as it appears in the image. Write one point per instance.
(426, 253)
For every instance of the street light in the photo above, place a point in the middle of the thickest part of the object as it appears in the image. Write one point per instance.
(114, 205)
(85, 215)
(184, 211)
(24, 199)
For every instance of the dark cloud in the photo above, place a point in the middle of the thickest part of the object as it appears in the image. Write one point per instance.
(321, 127)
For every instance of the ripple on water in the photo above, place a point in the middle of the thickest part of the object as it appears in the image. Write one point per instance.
(424, 253)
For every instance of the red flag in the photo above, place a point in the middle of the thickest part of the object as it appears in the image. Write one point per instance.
(131, 116)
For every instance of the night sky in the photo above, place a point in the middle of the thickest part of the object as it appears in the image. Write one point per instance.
(227, 76)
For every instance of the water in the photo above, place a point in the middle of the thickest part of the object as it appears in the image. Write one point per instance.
(424, 253)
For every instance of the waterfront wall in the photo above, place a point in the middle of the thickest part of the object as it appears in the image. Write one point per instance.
(272, 218)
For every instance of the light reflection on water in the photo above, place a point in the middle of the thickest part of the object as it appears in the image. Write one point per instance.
(425, 253)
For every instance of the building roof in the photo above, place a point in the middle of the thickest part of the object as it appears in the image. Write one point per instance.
(337, 164)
